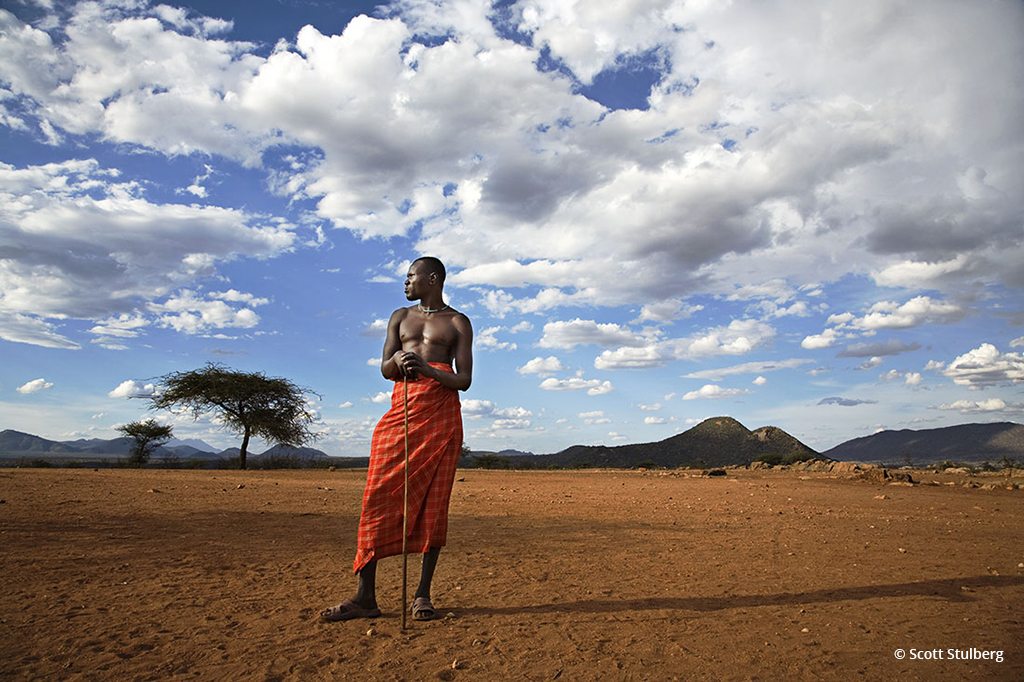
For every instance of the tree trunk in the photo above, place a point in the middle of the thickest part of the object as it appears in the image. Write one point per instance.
(243, 449)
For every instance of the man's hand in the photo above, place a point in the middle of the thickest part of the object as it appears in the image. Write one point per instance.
(410, 364)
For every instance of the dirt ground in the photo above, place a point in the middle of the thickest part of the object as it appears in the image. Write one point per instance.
(117, 574)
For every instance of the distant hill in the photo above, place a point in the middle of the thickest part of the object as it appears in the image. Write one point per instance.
(16, 441)
(719, 441)
(200, 445)
(18, 445)
(961, 443)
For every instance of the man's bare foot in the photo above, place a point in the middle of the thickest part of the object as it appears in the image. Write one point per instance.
(348, 610)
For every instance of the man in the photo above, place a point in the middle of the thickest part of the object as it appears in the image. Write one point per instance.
(429, 352)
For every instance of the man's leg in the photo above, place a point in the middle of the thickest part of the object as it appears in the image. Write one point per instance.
(366, 592)
(427, 572)
(363, 605)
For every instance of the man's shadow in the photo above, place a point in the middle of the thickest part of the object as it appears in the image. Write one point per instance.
(948, 589)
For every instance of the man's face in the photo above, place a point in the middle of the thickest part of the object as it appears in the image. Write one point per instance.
(417, 281)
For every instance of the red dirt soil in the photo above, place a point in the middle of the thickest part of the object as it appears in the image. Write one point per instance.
(154, 574)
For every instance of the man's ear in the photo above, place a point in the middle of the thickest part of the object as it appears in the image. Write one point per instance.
(433, 278)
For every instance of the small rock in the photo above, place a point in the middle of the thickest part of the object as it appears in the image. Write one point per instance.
(371, 632)
(881, 497)
(240, 486)
(461, 480)
(964, 588)
(457, 664)
(805, 630)
(450, 614)
(902, 551)
(152, 490)
(1020, 565)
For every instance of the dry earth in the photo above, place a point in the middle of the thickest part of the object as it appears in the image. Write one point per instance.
(117, 574)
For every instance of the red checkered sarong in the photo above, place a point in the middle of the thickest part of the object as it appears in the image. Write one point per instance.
(435, 442)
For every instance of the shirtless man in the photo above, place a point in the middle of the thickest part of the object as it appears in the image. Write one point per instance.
(428, 353)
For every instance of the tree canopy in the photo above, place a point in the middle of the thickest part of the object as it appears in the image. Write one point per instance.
(247, 403)
(148, 436)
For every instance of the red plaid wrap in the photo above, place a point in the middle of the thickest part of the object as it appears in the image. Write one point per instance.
(435, 443)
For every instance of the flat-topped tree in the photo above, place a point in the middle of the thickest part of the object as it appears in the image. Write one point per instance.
(247, 403)
(148, 436)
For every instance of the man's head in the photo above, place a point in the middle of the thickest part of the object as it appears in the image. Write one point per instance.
(425, 273)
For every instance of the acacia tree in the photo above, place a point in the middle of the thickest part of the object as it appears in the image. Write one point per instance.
(148, 436)
(247, 403)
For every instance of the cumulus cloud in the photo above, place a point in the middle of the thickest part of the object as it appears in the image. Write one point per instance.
(736, 338)
(474, 408)
(782, 148)
(487, 339)
(713, 391)
(572, 333)
(819, 341)
(135, 251)
(986, 366)
(542, 366)
(577, 383)
(130, 388)
(982, 406)
(916, 311)
(34, 386)
(192, 313)
(760, 381)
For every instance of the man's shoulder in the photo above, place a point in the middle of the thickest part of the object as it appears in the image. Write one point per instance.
(460, 318)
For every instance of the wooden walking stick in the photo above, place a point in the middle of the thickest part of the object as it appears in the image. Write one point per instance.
(405, 505)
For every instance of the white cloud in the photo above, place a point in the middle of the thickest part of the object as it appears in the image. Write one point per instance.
(918, 275)
(129, 388)
(818, 341)
(756, 367)
(31, 330)
(576, 332)
(713, 391)
(542, 366)
(986, 366)
(381, 397)
(135, 251)
(982, 406)
(652, 407)
(187, 312)
(804, 176)
(577, 383)
(487, 339)
(916, 311)
(1017, 342)
(667, 311)
(345, 405)
(736, 338)
(34, 386)
(760, 381)
(655, 420)
(912, 378)
(475, 408)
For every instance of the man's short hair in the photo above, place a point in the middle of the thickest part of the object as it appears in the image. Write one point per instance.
(433, 265)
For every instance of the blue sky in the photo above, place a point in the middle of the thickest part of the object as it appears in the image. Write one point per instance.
(654, 212)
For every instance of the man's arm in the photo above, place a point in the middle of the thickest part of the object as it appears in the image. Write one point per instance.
(389, 366)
